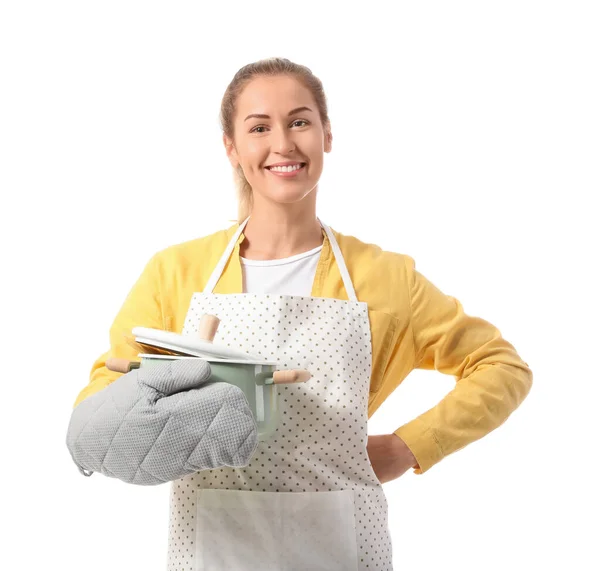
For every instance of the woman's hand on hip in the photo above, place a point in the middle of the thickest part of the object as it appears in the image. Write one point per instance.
(389, 456)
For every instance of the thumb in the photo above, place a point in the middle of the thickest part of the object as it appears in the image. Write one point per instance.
(177, 375)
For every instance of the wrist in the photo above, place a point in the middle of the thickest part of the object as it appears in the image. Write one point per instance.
(402, 450)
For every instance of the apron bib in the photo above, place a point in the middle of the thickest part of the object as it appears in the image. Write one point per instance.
(309, 499)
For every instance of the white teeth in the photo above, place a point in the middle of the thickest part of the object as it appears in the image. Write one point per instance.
(289, 168)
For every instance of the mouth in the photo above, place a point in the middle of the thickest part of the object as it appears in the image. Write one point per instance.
(287, 171)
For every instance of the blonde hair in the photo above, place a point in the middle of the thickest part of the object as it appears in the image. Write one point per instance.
(264, 68)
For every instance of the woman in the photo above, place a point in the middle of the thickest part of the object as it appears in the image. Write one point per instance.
(359, 318)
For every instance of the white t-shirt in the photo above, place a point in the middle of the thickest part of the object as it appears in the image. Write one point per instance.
(288, 276)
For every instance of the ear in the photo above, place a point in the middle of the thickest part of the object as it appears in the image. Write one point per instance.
(231, 152)
(328, 141)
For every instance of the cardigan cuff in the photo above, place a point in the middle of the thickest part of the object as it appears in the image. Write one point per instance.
(423, 444)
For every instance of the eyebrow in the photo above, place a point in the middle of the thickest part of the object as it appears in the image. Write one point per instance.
(262, 116)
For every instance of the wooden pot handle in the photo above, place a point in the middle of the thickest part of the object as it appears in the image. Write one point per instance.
(291, 376)
(207, 328)
(121, 365)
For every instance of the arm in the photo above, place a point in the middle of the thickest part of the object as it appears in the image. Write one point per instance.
(142, 307)
(151, 425)
(160, 423)
(491, 379)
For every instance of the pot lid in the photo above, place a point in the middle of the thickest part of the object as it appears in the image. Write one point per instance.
(190, 345)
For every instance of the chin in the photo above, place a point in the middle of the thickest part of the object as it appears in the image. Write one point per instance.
(288, 195)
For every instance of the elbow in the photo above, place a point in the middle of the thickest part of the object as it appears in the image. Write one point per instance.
(528, 381)
(521, 381)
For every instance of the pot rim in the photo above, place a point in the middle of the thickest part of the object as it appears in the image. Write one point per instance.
(209, 359)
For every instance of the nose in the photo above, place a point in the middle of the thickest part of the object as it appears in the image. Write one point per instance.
(283, 142)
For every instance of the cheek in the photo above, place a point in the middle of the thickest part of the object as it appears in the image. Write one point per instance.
(317, 149)
(253, 163)
(253, 150)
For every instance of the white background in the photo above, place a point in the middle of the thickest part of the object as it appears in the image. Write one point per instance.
(466, 134)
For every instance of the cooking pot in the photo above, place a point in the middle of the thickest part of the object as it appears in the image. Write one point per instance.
(257, 378)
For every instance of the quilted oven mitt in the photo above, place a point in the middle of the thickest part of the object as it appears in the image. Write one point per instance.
(157, 424)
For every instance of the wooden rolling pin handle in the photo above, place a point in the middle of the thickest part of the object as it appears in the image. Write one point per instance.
(292, 376)
(120, 365)
(208, 326)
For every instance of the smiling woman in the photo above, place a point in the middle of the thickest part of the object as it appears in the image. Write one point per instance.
(274, 112)
(290, 289)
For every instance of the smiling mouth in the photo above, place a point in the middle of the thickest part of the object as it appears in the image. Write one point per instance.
(290, 168)
(288, 173)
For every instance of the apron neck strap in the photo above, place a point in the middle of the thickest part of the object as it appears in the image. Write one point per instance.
(214, 278)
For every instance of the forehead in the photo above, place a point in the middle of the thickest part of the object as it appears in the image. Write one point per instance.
(273, 96)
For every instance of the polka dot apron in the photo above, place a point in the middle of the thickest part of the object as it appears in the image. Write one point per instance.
(309, 499)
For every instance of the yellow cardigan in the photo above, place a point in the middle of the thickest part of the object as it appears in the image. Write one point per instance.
(413, 325)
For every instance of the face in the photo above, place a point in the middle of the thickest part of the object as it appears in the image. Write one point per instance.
(288, 128)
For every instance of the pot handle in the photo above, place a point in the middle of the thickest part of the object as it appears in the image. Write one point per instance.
(291, 376)
(208, 326)
(121, 365)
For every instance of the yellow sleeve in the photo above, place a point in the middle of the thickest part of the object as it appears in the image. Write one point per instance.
(491, 378)
(142, 307)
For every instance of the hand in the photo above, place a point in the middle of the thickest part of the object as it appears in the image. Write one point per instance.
(389, 456)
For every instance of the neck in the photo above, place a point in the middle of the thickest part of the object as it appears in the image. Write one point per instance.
(278, 231)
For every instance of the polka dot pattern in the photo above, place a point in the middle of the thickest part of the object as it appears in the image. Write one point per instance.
(320, 443)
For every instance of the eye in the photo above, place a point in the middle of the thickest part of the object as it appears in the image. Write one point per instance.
(254, 130)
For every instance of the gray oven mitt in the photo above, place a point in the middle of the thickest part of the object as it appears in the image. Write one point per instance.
(159, 423)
